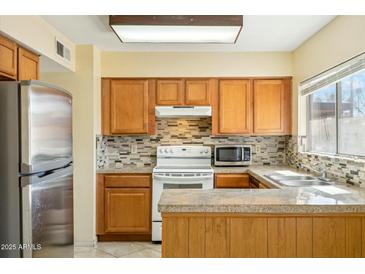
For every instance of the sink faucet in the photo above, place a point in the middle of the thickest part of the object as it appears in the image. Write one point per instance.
(320, 170)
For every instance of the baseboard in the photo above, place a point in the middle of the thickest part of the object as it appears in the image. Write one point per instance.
(124, 237)
(85, 243)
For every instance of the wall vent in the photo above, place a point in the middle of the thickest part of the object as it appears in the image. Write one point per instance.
(62, 51)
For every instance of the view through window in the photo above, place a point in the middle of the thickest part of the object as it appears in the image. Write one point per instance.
(336, 117)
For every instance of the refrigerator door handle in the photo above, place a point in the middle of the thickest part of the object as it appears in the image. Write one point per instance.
(47, 176)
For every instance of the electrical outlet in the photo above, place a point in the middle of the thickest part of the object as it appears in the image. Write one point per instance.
(258, 148)
(133, 148)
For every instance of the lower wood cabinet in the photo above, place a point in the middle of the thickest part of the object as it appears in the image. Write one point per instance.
(262, 235)
(127, 210)
(123, 206)
(232, 180)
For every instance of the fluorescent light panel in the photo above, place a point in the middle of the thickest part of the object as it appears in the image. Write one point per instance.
(176, 34)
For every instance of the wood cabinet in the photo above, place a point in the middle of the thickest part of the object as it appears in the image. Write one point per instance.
(272, 112)
(176, 92)
(232, 180)
(263, 235)
(8, 58)
(197, 92)
(128, 106)
(233, 109)
(252, 106)
(17, 63)
(170, 92)
(123, 206)
(127, 210)
(28, 65)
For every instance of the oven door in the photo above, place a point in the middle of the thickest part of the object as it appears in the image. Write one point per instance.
(162, 181)
(228, 156)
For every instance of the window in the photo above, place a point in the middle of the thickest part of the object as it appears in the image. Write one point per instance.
(336, 117)
(351, 119)
(322, 120)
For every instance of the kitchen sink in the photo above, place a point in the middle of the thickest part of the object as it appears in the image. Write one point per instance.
(300, 177)
(303, 183)
(297, 180)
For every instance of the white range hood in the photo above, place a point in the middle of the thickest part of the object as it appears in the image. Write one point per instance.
(183, 111)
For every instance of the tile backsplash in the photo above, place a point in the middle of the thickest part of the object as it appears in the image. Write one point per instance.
(347, 170)
(116, 151)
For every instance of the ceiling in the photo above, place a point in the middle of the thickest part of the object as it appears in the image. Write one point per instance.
(259, 33)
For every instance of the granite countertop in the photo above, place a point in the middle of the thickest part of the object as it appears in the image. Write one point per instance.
(276, 200)
(144, 169)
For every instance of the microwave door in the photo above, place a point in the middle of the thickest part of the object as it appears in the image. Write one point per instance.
(230, 154)
(46, 127)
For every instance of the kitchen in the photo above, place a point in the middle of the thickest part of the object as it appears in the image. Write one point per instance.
(229, 142)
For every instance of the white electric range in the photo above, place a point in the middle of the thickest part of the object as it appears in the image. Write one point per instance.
(179, 167)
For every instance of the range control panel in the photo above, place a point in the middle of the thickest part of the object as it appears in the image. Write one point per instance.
(184, 151)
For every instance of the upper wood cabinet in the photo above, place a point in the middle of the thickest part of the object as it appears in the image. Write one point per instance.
(176, 92)
(272, 112)
(169, 92)
(8, 58)
(128, 106)
(234, 106)
(197, 92)
(28, 65)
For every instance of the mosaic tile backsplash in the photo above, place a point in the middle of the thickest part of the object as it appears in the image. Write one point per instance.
(346, 170)
(116, 151)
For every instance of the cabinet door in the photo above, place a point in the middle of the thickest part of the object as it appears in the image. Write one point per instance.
(28, 64)
(197, 92)
(232, 181)
(235, 107)
(129, 106)
(8, 58)
(169, 92)
(127, 210)
(272, 114)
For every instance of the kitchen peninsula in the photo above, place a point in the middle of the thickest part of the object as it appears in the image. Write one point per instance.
(324, 221)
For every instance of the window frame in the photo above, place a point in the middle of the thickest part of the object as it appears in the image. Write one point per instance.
(337, 116)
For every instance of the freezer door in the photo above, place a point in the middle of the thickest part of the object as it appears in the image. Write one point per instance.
(47, 215)
(46, 127)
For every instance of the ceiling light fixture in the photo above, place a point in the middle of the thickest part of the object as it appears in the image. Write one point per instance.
(215, 29)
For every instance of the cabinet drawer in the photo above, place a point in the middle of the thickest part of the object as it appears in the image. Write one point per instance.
(232, 181)
(127, 180)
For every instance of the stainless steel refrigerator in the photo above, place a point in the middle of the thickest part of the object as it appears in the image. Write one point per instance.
(36, 174)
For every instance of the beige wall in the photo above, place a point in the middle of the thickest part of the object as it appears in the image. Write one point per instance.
(119, 64)
(36, 34)
(340, 40)
(84, 84)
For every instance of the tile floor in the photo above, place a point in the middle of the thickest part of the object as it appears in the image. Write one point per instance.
(119, 250)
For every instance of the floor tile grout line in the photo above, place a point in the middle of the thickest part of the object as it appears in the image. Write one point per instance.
(124, 254)
(133, 252)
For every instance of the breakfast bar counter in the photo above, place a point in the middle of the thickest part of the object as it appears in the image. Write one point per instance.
(320, 221)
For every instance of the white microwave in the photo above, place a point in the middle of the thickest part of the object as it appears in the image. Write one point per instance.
(232, 155)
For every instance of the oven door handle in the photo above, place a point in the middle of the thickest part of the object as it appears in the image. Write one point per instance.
(183, 178)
